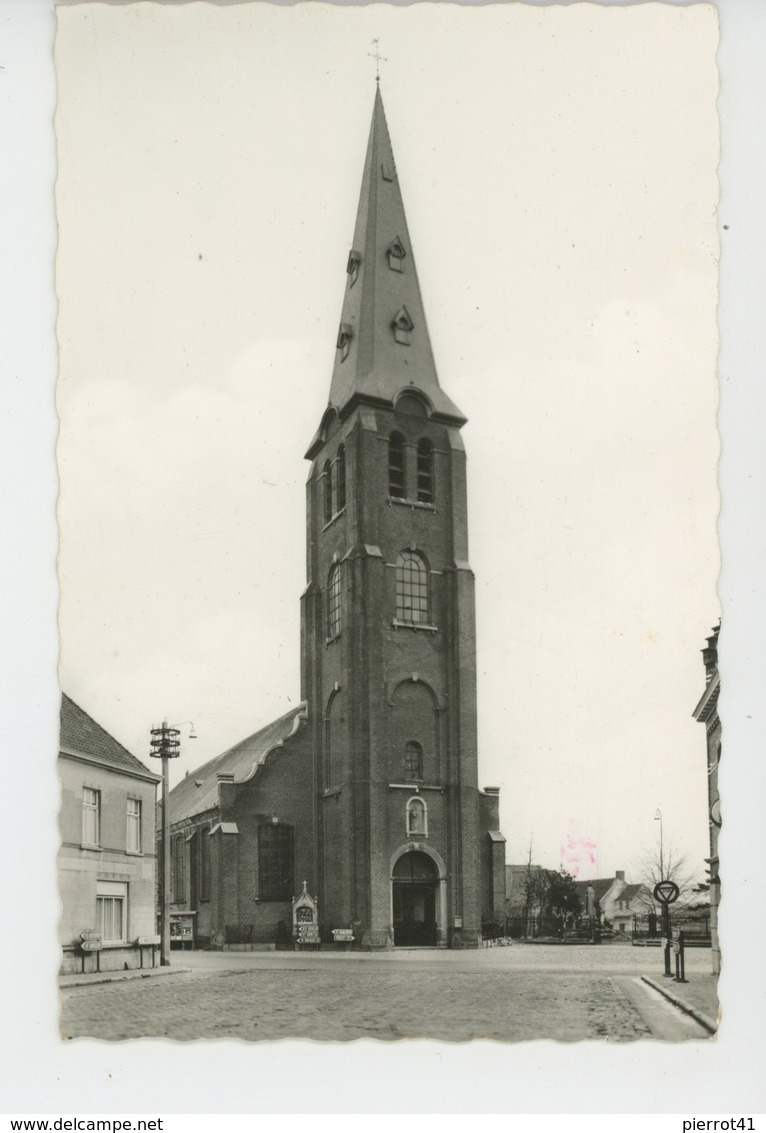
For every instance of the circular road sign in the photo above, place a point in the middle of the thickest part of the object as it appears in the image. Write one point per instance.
(666, 892)
(715, 812)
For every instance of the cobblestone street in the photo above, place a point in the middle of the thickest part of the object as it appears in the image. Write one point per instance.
(519, 993)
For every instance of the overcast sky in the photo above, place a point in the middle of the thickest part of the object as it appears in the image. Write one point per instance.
(558, 172)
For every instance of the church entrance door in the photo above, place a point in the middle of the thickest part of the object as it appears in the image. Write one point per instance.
(414, 892)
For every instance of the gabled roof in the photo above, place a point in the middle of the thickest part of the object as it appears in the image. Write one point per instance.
(601, 886)
(81, 735)
(198, 791)
(376, 367)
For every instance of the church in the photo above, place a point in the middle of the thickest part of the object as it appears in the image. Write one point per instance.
(366, 796)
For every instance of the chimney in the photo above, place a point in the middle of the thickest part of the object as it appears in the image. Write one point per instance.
(620, 875)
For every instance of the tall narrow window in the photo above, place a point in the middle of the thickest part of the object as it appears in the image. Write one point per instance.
(340, 490)
(111, 910)
(333, 601)
(411, 588)
(327, 491)
(425, 471)
(91, 816)
(396, 483)
(134, 826)
(179, 881)
(413, 761)
(275, 862)
(203, 839)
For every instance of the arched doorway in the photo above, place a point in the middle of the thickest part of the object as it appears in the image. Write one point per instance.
(415, 885)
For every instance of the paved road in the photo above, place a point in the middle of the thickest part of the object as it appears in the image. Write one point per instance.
(518, 993)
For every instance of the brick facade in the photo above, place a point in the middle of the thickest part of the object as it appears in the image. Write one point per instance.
(379, 780)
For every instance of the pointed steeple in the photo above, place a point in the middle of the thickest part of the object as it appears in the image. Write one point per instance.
(383, 346)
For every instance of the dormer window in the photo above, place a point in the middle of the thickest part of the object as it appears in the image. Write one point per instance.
(344, 341)
(352, 267)
(402, 326)
(396, 254)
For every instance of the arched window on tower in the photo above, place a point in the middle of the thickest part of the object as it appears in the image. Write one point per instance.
(425, 471)
(396, 480)
(340, 489)
(333, 601)
(413, 762)
(327, 491)
(411, 588)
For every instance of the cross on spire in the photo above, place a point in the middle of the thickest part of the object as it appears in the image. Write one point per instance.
(377, 57)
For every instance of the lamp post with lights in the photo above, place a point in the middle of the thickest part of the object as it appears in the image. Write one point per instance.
(165, 745)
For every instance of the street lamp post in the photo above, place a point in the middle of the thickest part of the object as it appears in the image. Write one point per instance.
(166, 746)
(666, 930)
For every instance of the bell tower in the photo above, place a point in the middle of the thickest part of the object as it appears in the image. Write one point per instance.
(388, 636)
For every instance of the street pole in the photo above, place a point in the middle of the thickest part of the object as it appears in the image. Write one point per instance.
(165, 889)
(165, 746)
(658, 818)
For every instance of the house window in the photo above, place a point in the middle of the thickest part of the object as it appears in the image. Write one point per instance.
(333, 602)
(396, 484)
(179, 888)
(416, 817)
(275, 862)
(91, 816)
(134, 826)
(327, 491)
(425, 471)
(340, 471)
(112, 911)
(203, 840)
(413, 761)
(411, 588)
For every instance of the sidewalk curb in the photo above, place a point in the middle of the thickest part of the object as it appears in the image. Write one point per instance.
(703, 1019)
(65, 982)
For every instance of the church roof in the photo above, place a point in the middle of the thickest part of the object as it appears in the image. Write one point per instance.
(383, 341)
(198, 791)
(81, 735)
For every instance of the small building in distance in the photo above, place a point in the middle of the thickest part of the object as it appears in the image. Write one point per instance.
(618, 900)
(706, 712)
(106, 862)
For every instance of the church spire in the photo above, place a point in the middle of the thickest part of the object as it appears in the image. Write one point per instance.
(383, 346)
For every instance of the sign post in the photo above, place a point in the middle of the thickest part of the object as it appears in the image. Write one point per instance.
(666, 892)
(92, 940)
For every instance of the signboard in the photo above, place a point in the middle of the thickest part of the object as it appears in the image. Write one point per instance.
(308, 934)
(342, 935)
(666, 892)
(92, 945)
(677, 947)
(146, 940)
(92, 934)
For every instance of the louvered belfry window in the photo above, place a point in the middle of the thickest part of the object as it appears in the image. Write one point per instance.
(340, 478)
(396, 478)
(425, 471)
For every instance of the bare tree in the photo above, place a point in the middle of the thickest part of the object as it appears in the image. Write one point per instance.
(665, 863)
